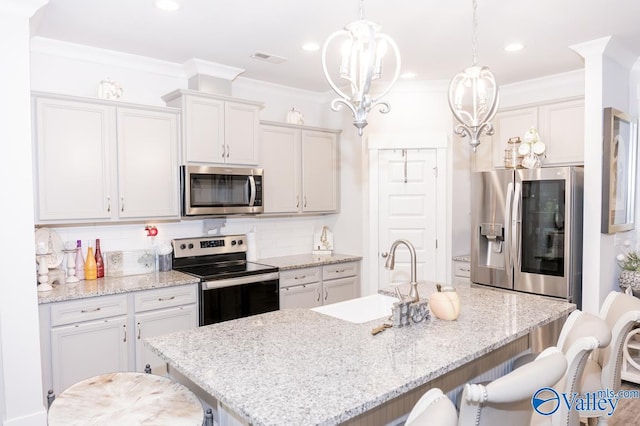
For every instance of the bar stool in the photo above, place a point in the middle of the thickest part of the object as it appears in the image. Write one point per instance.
(126, 398)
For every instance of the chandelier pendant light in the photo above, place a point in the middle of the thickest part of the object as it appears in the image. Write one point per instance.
(362, 58)
(474, 97)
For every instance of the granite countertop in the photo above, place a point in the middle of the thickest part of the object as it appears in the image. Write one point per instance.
(114, 285)
(307, 260)
(301, 367)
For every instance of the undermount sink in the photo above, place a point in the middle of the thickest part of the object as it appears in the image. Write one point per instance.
(360, 310)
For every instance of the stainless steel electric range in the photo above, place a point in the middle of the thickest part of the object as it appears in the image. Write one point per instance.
(230, 287)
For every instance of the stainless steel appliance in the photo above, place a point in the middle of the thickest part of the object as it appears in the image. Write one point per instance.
(230, 287)
(209, 190)
(527, 230)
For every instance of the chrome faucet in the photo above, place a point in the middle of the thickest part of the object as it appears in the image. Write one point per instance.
(391, 261)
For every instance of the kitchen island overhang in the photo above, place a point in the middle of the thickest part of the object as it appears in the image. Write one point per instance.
(301, 367)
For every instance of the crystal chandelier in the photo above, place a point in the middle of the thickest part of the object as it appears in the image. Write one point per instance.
(474, 97)
(362, 54)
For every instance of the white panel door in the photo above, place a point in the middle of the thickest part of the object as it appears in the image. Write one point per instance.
(319, 171)
(407, 210)
(204, 130)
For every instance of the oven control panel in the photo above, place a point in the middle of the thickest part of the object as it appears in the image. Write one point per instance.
(208, 245)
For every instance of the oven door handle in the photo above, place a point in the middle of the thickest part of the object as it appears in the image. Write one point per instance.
(249, 279)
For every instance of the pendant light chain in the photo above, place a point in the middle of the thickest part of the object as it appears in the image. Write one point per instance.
(474, 40)
(361, 9)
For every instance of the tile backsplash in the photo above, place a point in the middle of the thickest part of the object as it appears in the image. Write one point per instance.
(274, 236)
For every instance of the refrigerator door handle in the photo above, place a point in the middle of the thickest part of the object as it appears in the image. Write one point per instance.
(515, 221)
(507, 231)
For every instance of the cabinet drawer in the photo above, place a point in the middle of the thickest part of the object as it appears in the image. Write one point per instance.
(165, 297)
(299, 276)
(462, 269)
(88, 309)
(339, 270)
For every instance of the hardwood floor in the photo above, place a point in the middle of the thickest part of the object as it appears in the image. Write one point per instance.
(628, 410)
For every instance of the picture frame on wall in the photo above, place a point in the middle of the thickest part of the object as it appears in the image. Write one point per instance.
(619, 164)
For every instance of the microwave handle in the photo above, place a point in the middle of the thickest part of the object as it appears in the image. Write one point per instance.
(252, 190)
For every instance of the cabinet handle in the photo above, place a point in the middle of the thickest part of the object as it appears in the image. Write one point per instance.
(326, 294)
(122, 203)
(125, 332)
(86, 311)
(318, 291)
(223, 152)
(228, 150)
(305, 201)
(164, 299)
(299, 277)
(297, 201)
(339, 271)
(108, 204)
(138, 330)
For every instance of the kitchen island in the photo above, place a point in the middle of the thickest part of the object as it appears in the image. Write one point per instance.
(301, 367)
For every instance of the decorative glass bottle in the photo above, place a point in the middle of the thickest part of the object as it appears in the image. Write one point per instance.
(90, 268)
(99, 260)
(79, 260)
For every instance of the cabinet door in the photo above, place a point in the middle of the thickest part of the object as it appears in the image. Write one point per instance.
(147, 163)
(562, 130)
(319, 172)
(156, 323)
(242, 127)
(280, 159)
(301, 296)
(509, 124)
(339, 290)
(204, 130)
(87, 349)
(74, 145)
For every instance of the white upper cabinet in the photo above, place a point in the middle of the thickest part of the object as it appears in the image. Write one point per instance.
(74, 146)
(147, 163)
(300, 169)
(217, 129)
(102, 161)
(280, 158)
(560, 125)
(319, 171)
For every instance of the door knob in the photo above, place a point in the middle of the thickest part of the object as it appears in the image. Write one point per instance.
(385, 254)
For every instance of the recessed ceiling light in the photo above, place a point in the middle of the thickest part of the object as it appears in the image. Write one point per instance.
(168, 5)
(513, 47)
(311, 47)
(408, 75)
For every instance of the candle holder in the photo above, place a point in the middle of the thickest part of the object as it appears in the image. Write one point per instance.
(43, 272)
(70, 253)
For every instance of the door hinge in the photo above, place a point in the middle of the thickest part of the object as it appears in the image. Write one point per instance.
(436, 243)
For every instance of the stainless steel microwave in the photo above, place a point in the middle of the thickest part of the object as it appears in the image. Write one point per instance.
(207, 191)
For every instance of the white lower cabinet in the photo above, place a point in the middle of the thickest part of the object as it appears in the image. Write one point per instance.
(160, 312)
(461, 274)
(87, 349)
(87, 337)
(317, 286)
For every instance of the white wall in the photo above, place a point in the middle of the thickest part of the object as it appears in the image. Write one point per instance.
(21, 399)
(77, 70)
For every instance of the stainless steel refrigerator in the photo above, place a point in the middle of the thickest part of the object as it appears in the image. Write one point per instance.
(527, 230)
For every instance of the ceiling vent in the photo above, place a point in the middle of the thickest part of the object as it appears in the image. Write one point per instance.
(268, 57)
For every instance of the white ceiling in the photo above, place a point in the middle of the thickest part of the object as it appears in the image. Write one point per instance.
(434, 36)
